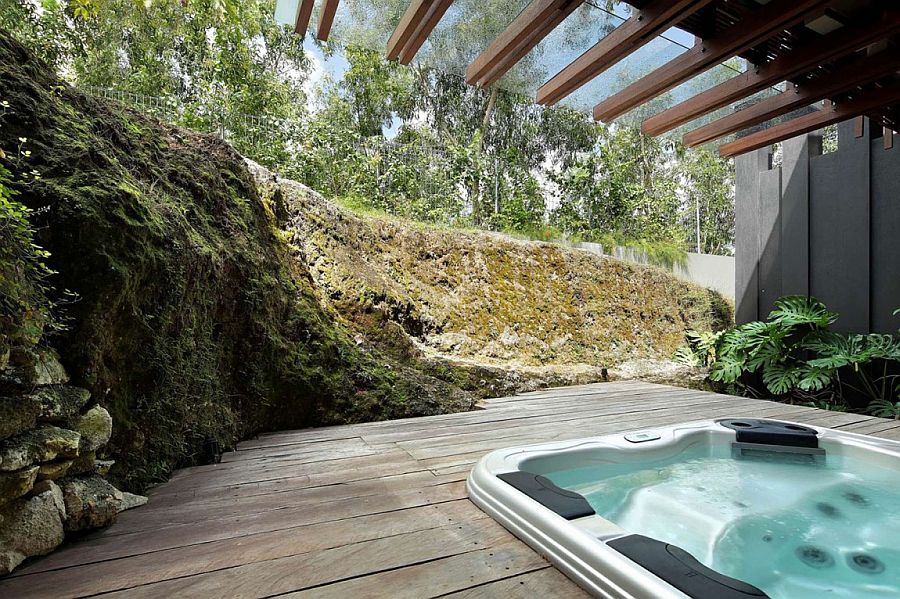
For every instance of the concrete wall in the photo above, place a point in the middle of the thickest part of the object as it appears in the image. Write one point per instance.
(713, 272)
(821, 225)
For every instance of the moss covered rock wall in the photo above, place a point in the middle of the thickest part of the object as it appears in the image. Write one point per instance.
(193, 326)
(483, 305)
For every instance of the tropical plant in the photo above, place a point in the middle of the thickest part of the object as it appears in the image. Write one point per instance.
(857, 355)
(700, 351)
(884, 408)
(796, 355)
(25, 309)
(774, 348)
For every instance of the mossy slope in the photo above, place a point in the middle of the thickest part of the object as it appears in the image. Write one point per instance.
(472, 297)
(193, 325)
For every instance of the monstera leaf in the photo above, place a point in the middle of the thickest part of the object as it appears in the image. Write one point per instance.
(781, 378)
(794, 310)
(814, 379)
(837, 351)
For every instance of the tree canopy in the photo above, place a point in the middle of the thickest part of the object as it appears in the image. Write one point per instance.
(411, 141)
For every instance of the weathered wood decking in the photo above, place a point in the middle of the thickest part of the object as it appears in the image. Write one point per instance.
(369, 510)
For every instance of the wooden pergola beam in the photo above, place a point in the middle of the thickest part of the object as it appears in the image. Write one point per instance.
(622, 41)
(860, 105)
(863, 71)
(304, 14)
(326, 19)
(827, 48)
(531, 26)
(755, 28)
(417, 23)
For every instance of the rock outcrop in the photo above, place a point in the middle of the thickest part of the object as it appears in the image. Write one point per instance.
(51, 434)
(194, 326)
(51, 481)
(490, 313)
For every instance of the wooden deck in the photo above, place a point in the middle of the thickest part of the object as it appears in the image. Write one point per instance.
(369, 510)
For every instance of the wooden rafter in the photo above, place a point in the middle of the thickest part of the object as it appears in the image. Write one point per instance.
(326, 19)
(304, 14)
(786, 67)
(531, 26)
(862, 104)
(417, 23)
(757, 27)
(859, 72)
(627, 38)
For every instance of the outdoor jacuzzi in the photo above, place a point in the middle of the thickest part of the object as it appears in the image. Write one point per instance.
(731, 508)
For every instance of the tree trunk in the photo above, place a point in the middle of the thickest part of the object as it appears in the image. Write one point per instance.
(489, 111)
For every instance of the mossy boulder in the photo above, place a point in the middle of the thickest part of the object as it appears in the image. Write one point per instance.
(29, 368)
(31, 526)
(42, 444)
(90, 502)
(95, 427)
(17, 415)
(60, 403)
(84, 463)
(15, 484)
(54, 470)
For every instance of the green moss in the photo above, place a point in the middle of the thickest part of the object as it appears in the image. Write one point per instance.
(509, 301)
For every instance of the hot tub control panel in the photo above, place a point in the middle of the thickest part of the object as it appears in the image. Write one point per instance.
(642, 436)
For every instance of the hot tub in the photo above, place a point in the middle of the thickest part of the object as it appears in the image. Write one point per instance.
(720, 509)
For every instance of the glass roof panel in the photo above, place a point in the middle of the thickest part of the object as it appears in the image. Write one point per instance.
(471, 25)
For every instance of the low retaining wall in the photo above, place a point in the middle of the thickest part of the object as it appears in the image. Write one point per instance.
(707, 270)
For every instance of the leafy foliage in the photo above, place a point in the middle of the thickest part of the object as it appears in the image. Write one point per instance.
(795, 354)
(700, 350)
(459, 156)
(25, 308)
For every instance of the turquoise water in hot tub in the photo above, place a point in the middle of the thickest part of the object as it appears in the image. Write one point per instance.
(794, 529)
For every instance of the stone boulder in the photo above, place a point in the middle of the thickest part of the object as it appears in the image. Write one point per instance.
(130, 501)
(4, 354)
(95, 428)
(31, 526)
(60, 403)
(28, 369)
(42, 444)
(90, 503)
(15, 484)
(54, 470)
(17, 415)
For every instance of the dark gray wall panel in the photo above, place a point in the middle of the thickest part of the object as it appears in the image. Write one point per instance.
(746, 235)
(831, 230)
(769, 240)
(795, 213)
(885, 237)
(839, 231)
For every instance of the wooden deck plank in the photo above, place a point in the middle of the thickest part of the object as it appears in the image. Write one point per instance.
(309, 570)
(548, 582)
(436, 578)
(367, 510)
(146, 568)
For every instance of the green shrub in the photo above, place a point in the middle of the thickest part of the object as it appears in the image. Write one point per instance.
(797, 356)
(25, 309)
